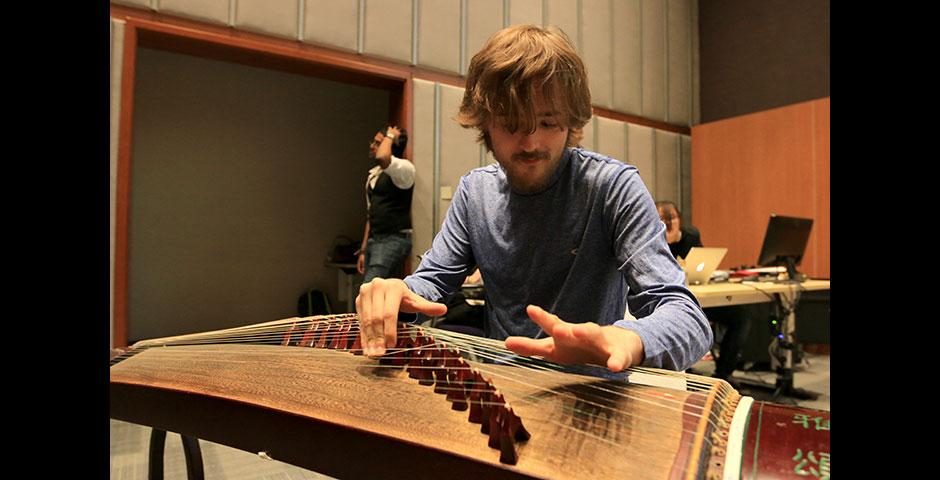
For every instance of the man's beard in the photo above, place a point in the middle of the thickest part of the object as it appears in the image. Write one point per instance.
(537, 185)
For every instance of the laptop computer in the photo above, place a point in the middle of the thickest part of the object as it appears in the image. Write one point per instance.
(701, 262)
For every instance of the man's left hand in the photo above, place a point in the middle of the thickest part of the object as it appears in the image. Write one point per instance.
(574, 343)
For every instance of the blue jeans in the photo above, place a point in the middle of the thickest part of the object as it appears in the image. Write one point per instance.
(385, 255)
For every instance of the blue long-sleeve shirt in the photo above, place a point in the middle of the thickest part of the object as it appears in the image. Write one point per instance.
(582, 249)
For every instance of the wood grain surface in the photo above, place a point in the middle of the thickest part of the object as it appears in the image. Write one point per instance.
(580, 426)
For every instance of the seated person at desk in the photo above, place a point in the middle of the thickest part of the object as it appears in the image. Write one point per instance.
(549, 226)
(463, 316)
(681, 238)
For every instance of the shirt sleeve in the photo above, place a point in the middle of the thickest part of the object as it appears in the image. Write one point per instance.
(402, 172)
(444, 267)
(669, 320)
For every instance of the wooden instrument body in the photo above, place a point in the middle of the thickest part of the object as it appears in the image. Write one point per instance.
(349, 416)
(573, 434)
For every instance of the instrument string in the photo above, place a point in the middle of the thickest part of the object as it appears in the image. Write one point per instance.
(523, 398)
(276, 333)
(606, 392)
(496, 353)
(499, 353)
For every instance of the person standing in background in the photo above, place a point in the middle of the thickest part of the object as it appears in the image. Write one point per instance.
(386, 242)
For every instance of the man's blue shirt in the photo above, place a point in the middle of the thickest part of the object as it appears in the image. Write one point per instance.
(585, 247)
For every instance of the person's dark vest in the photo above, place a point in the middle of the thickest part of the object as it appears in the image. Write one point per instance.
(390, 207)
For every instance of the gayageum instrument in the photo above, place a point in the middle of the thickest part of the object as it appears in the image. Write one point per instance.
(446, 404)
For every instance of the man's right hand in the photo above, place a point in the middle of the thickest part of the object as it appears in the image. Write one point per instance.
(378, 304)
(361, 264)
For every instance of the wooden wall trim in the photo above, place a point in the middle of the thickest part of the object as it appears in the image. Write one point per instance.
(122, 194)
(625, 117)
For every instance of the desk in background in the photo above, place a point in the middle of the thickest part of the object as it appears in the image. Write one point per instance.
(346, 284)
(725, 294)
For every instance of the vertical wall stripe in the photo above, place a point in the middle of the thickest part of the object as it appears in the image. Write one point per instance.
(232, 6)
(626, 143)
(580, 38)
(361, 40)
(544, 13)
(436, 188)
(655, 166)
(639, 43)
(482, 155)
(594, 132)
(463, 38)
(666, 62)
(301, 6)
(505, 13)
(414, 31)
(679, 169)
(611, 50)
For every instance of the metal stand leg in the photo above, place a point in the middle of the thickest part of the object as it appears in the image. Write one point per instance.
(193, 455)
(157, 441)
(191, 451)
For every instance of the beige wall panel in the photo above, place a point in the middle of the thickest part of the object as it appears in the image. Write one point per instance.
(626, 67)
(484, 18)
(564, 15)
(679, 16)
(667, 166)
(525, 12)
(595, 51)
(212, 11)
(460, 152)
(388, 29)
(271, 17)
(332, 22)
(640, 154)
(422, 148)
(611, 138)
(117, 64)
(439, 34)
(134, 3)
(654, 59)
(588, 141)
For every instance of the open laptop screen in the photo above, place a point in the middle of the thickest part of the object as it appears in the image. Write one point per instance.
(701, 262)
